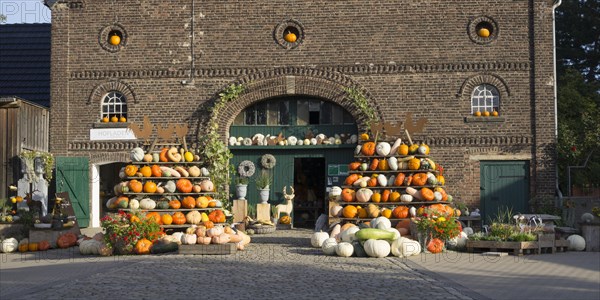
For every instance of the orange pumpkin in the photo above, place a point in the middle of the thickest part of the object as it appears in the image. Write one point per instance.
(33, 246)
(368, 148)
(146, 171)
(154, 216)
(188, 202)
(408, 180)
(399, 179)
(354, 166)
(374, 164)
(349, 211)
(383, 165)
(174, 204)
(143, 246)
(178, 218)
(403, 149)
(348, 195)
(400, 212)
(149, 187)
(44, 245)
(376, 197)
(351, 179)
(217, 216)
(419, 179)
(135, 186)
(163, 155)
(202, 202)
(414, 164)
(184, 185)
(208, 224)
(385, 196)
(427, 194)
(403, 224)
(372, 182)
(131, 170)
(435, 245)
(167, 219)
(156, 171)
(395, 197)
(443, 192)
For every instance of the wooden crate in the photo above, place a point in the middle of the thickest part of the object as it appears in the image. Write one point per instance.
(562, 245)
(515, 248)
(211, 249)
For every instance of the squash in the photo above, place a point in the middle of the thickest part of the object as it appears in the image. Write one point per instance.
(349, 211)
(182, 171)
(184, 185)
(353, 166)
(170, 186)
(149, 187)
(336, 211)
(146, 171)
(381, 223)
(395, 146)
(154, 216)
(399, 181)
(147, 157)
(202, 202)
(351, 179)
(136, 154)
(435, 245)
(193, 217)
(174, 204)
(335, 232)
(383, 148)
(368, 148)
(179, 218)
(147, 203)
(214, 231)
(162, 203)
(359, 251)
(349, 234)
(414, 164)
(329, 246)
(344, 249)
(203, 240)
(66, 240)
(188, 202)
(414, 192)
(164, 247)
(374, 164)
(32, 247)
(372, 211)
(400, 212)
(377, 248)
(403, 149)
(372, 182)
(374, 233)
(576, 242)
(392, 163)
(156, 171)
(382, 180)
(131, 170)
(207, 185)
(223, 238)
(173, 154)
(194, 171)
(166, 219)
(169, 172)
(385, 195)
(427, 194)
(364, 195)
(143, 246)
(395, 196)
(317, 239)
(217, 216)
(404, 247)
(362, 182)
(90, 247)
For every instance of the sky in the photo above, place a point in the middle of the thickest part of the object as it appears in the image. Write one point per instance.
(24, 11)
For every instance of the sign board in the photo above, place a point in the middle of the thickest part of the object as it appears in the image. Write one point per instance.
(337, 170)
(109, 134)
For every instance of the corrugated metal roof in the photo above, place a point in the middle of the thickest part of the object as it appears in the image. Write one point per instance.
(25, 62)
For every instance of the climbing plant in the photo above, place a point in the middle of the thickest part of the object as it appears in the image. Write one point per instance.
(29, 156)
(362, 104)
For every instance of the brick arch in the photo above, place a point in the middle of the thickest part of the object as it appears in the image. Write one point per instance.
(470, 83)
(102, 89)
(295, 81)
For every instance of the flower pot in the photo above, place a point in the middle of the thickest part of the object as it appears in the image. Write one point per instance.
(241, 191)
(264, 195)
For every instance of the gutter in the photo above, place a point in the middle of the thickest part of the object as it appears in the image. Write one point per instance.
(557, 3)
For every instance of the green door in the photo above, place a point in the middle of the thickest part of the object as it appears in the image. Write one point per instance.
(72, 176)
(504, 184)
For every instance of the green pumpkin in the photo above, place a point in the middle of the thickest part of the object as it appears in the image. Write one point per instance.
(162, 205)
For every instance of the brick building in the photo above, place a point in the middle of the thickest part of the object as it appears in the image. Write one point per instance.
(421, 57)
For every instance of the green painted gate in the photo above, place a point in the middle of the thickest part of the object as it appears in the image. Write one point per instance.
(504, 184)
(72, 176)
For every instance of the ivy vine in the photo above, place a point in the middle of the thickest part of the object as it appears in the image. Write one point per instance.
(215, 151)
(29, 156)
(362, 104)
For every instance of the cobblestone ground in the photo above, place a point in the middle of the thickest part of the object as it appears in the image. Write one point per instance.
(274, 266)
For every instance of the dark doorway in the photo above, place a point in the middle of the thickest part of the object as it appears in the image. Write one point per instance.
(309, 185)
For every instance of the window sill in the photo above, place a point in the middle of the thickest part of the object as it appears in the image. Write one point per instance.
(110, 125)
(473, 119)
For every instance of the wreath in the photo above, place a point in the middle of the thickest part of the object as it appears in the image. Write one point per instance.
(268, 161)
(246, 168)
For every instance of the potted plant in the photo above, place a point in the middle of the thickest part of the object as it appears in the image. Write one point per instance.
(263, 182)
(241, 186)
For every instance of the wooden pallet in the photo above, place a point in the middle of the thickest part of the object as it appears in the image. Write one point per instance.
(562, 245)
(515, 248)
(211, 249)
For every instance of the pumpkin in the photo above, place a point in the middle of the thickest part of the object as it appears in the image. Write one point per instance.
(383, 148)
(349, 211)
(435, 245)
(189, 239)
(147, 203)
(23, 245)
(329, 246)
(344, 249)
(208, 224)
(382, 180)
(381, 223)
(194, 171)
(353, 166)
(399, 179)
(207, 185)
(377, 248)
(135, 186)
(221, 239)
(403, 225)
(404, 247)
(335, 232)
(162, 204)
(414, 192)
(362, 213)
(286, 220)
(364, 195)
(89, 247)
(442, 192)
(146, 171)
(368, 148)
(178, 218)
(143, 246)
(400, 212)
(376, 197)
(348, 235)
(136, 154)
(202, 202)
(131, 170)
(175, 204)
(203, 240)
(217, 216)
(154, 216)
(372, 211)
(184, 185)
(437, 196)
(32, 246)
(336, 211)
(427, 194)
(134, 204)
(348, 195)
(386, 212)
(395, 196)
(419, 179)
(134, 219)
(44, 245)
(385, 196)
(166, 219)
(156, 171)
(170, 186)
(414, 164)
(374, 164)
(193, 217)
(147, 157)
(576, 242)
(9, 245)
(66, 240)
(188, 202)
(406, 198)
(149, 187)
(214, 231)
(403, 149)
(423, 149)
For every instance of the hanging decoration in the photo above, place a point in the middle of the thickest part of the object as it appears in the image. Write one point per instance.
(246, 168)
(268, 161)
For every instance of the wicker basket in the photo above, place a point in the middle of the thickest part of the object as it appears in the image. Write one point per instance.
(262, 229)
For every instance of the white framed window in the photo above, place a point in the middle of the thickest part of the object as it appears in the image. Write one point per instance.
(485, 97)
(114, 104)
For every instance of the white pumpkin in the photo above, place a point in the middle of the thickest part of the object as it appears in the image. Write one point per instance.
(437, 196)
(382, 180)
(348, 235)
(292, 140)
(404, 247)
(406, 198)
(377, 248)
(468, 230)
(383, 148)
(318, 238)
(178, 237)
(336, 231)
(576, 242)
(364, 194)
(9, 245)
(204, 171)
(381, 223)
(336, 211)
(393, 163)
(459, 242)
(357, 150)
(412, 211)
(170, 186)
(189, 239)
(136, 154)
(134, 204)
(193, 217)
(147, 203)
(90, 247)
(335, 193)
(344, 249)
(328, 246)
(300, 142)
(395, 146)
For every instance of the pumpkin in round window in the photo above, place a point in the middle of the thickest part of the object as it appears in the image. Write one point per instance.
(285, 220)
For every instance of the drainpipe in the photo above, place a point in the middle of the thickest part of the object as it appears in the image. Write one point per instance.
(557, 3)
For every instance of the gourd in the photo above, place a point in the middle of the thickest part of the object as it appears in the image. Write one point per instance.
(368, 148)
(348, 195)
(174, 204)
(395, 146)
(134, 204)
(393, 163)
(207, 185)
(414, 164)
(143, 246)
(149, 187)
(336, 211)
(383, 148)
(147, 157)
(400, 212)
(382, 180)
(377, 248)
(396, 233)
(156, 171)
(193, 217)
(176, 237)
(317, 239)
(344, 249)
(44, 245)
(359, 251)
(173, 155)
(147, 203)
(329, 246)
(188, 239)
(166, 219)
(364, 195)
(131, 170)
(373, 211)
(349, 211)
(217, 216)
(202, 202)
(200, 231)
(404, 247)
(427, 194)
(155, 157)
(90, 247)
(135, 186)
(245, 241)
(23, 245)
(419, 179)
(162, 204)
(169, 172)
(203, 240)
(146, 171)
(164, 247)
(348, 235)
(381, 223)
(221, 239)
(374, 233)
(182, 171)
(136, 154)
(335, 194)
(576, 242)
(336, 231)
(194, 171)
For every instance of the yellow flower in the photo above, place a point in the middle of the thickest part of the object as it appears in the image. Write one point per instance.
(441, 219)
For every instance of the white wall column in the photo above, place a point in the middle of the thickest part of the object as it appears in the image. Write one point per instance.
(95, 209)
